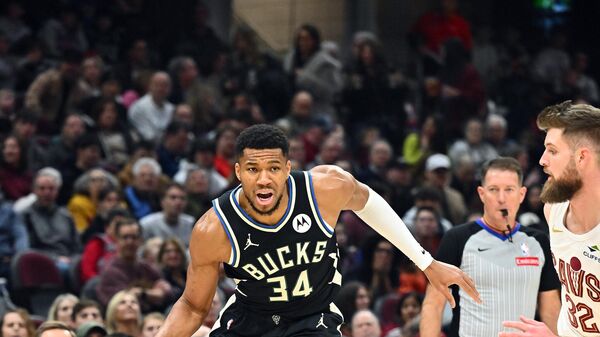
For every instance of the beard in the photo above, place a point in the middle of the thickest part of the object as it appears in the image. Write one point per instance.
(563, 189)
(267, 212)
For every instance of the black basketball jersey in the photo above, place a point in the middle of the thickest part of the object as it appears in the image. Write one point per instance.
(290, 268)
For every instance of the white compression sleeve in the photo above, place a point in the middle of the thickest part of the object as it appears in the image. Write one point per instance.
(378, 214)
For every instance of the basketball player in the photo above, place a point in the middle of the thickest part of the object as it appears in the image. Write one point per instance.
(572, 196)
(274, 233)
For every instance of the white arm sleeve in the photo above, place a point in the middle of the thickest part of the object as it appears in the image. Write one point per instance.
(378, 214)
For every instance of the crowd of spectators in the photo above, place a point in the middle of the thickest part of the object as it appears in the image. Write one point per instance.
(116, 138)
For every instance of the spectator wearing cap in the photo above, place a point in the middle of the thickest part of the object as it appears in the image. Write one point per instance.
(151, 114)
(55, 92)
(437, 175)
(91, 329)
(50, 227)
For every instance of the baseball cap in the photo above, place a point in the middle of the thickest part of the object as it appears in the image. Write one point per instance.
(88, 327)
(437, 161)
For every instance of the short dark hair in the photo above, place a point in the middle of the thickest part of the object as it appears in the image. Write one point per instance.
(116, 212)
(83, 304)
(127, 222)
(428, 193)
(175, 127)
(262, 136)
(169, 186)
(502, 164)
(86, 141)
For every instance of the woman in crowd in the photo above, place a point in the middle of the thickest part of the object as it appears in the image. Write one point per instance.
(173, 262)
(84, 202)
(62, 309)
(311, 68)
(16, 323)
(378, 269)
(109, 200)
(115, 138)
(152, 322)
(123, 314)
(15, 178)
(406, 312)
(353, 296)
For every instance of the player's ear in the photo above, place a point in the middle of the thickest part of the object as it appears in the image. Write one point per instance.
(288, 166)
(237, 171)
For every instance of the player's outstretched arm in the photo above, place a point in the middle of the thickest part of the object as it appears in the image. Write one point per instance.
(431, 314)
(339, 190)
(527, 328)
(209, 246)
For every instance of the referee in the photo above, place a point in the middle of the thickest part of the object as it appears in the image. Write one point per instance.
(511, 264)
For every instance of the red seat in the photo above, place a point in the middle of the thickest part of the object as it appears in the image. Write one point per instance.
(36, 281)
(32, 269)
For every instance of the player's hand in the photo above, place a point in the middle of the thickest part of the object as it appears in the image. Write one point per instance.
(528, 327)
(442, 275)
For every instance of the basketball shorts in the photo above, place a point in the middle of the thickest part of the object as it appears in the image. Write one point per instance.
(238, 321)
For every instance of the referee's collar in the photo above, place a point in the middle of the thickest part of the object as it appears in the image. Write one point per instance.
(501, 236)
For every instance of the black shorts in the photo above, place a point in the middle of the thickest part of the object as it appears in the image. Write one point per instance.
(238, 321)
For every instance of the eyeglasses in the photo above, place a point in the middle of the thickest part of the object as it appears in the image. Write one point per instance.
(129, 237)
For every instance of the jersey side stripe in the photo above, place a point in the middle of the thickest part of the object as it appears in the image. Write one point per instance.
(217, 323)
(234, 259)
(327, 230)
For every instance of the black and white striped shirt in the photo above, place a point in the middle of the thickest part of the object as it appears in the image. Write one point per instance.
(509, 271)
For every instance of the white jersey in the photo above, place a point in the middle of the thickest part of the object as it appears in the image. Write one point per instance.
(576, 258)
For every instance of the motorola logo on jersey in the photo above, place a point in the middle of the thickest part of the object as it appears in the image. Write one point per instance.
(301, 223)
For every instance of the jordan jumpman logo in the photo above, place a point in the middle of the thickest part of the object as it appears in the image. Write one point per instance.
(321, 322)
(250, 243)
